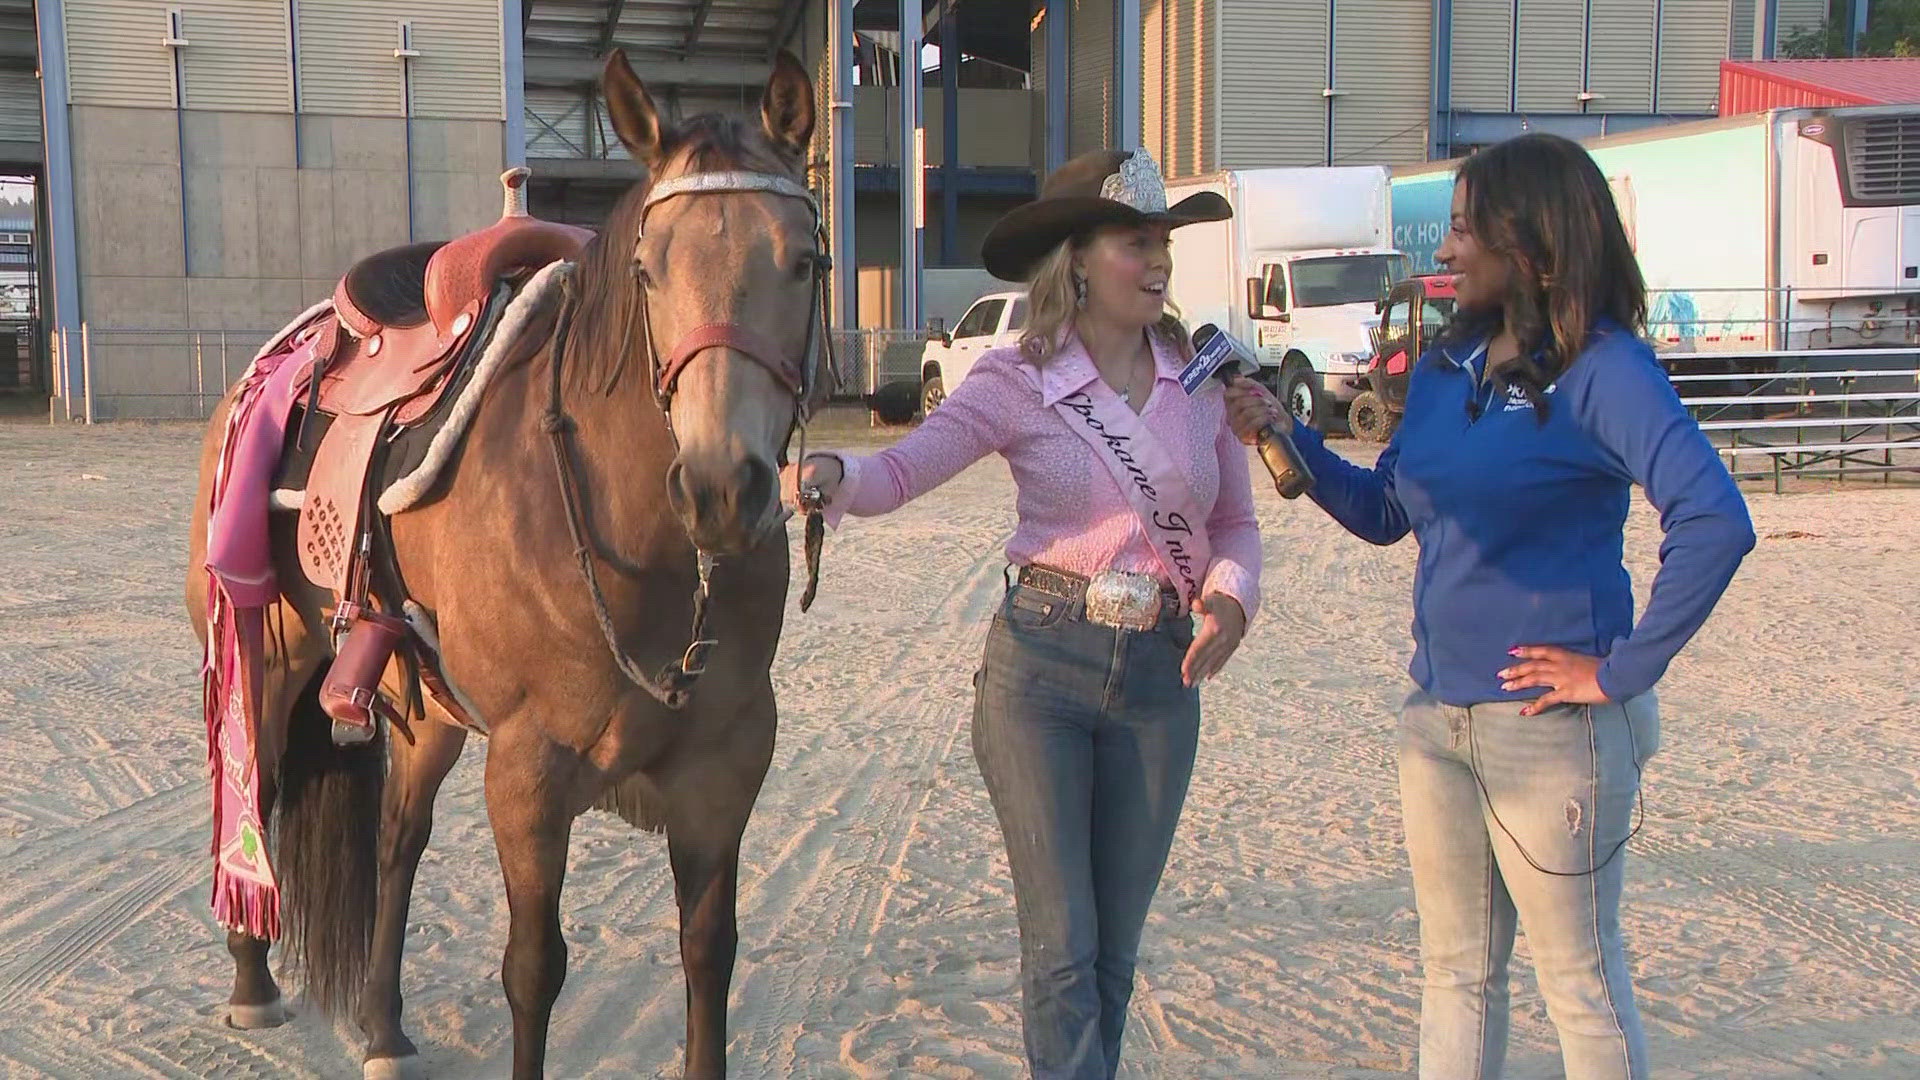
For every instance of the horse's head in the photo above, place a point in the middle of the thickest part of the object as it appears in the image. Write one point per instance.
(727, 258)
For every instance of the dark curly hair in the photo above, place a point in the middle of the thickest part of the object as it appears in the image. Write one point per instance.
(1540, 202)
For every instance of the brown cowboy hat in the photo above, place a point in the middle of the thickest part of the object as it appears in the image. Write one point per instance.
(1104, 187)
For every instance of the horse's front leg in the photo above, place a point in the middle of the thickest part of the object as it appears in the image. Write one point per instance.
(710, 798)
(412, 783)
(530, 785)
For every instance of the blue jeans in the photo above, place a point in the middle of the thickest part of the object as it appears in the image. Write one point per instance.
(1504, 815)
(1085, 738)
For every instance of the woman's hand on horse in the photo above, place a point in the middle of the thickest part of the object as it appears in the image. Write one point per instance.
(1571, 678)
(1250, 408)
(823, 472)
(1223, 623)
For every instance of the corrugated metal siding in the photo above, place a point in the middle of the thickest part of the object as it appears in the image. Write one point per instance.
(1742, 27)
(1383, 66)
(1090, 61)
(1272, 72)
(1153, 78)
(114, 54)
(1482, 76)
(1744, 91)
(1620, 56)
(239, 60)
(1037, 50)
(1693, 41)
(1180, 65)
(346, 58)
(1798, 15)
(1552, 40)
(19, 106)
(458, 73)
(1197, 85)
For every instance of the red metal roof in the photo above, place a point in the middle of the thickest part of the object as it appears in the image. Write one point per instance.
(1756, 85)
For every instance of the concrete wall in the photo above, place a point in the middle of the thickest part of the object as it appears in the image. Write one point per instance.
(216, 221)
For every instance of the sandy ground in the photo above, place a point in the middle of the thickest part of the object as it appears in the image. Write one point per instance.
(1773, 899)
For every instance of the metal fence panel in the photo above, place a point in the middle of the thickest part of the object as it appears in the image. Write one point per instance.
(157, 374)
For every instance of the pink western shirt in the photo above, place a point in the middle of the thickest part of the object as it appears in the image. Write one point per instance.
(1072, 515)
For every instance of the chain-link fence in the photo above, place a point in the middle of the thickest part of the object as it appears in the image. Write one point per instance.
(871, 359)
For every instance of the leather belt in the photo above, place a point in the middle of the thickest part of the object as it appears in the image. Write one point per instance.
(1100, 608)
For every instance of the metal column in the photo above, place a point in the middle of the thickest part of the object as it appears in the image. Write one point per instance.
(1856, 27)
(840, 57)
(1057, 83)
(514, 71)
(59, 187)
(1439, 141)
(1126, 74)
(949, 132)
(913, 202)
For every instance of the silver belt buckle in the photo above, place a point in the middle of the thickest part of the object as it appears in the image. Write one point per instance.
(1123, 600)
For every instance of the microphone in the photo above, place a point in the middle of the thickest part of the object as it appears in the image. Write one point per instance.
(1216, 353)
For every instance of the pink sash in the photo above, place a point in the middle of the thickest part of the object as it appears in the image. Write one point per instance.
(241, 586)
(1150, 481)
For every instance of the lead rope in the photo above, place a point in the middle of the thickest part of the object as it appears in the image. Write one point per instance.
(808, 497)
(674, 684)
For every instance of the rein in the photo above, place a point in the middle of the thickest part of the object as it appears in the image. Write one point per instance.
(673, 686)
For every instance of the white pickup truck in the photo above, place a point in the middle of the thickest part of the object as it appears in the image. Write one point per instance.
(994, 320)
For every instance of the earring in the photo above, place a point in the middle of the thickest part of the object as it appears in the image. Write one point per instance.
(1079, 291)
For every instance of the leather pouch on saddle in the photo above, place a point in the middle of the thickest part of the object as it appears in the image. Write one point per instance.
(351, 691)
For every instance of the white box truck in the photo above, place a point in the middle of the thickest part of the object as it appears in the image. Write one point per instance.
(1788, 229)
(1297, 274)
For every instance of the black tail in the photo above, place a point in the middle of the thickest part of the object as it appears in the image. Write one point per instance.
(328, 822)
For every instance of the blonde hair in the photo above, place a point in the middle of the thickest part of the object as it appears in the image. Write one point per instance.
(1052, 303)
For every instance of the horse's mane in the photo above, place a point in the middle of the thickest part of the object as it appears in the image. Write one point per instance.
(606, 326)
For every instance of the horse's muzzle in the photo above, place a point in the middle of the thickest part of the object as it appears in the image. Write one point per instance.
(727, 507)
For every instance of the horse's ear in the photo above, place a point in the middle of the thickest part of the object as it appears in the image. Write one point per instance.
(786, 107)
(631, 109)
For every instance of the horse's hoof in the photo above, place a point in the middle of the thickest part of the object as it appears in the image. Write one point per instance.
(392, 1068)
(254, 1017)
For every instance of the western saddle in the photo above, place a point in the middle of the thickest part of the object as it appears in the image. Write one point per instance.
(403, 329)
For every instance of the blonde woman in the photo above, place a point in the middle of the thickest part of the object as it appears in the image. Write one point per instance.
(1135, 516)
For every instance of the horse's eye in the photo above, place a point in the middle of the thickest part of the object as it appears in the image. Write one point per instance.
(641, 276)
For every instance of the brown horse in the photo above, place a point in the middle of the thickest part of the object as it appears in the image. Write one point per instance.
(667, 453)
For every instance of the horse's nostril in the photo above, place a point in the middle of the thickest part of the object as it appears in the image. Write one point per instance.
(757, 485)
(681, 495)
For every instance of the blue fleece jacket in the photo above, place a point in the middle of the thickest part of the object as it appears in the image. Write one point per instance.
(1520, 523)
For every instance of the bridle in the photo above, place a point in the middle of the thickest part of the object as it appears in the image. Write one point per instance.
(799, 376)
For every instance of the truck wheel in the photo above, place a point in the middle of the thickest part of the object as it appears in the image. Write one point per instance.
(1300, 395)
(1369, 418)
(932, 393)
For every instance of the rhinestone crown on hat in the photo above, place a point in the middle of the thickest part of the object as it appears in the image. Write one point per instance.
(1138, 184)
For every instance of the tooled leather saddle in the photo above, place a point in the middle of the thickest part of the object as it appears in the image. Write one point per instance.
(405, 330)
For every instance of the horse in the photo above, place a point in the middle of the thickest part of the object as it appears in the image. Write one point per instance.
(609, 494)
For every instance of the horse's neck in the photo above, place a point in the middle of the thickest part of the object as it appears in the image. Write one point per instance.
(619, 451)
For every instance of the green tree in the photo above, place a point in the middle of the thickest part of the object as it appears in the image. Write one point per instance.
(1893, 29)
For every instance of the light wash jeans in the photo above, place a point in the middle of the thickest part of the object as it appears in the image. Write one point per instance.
(1493, 801)
(1086, 740)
